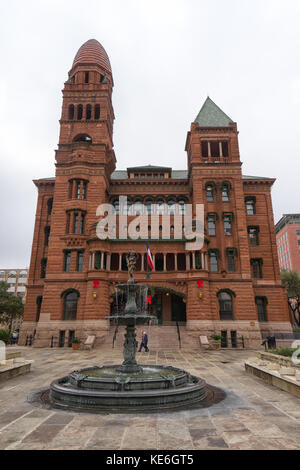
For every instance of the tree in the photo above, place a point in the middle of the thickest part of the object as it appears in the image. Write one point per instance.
(11, 306)
(291, 280)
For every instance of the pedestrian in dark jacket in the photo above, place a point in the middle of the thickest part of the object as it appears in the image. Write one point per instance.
(144, 342)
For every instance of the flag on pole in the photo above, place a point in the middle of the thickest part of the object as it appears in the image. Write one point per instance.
(149, 258)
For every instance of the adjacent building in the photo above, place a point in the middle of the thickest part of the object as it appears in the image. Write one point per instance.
(288, 242)
(17, 281)
(231, 286)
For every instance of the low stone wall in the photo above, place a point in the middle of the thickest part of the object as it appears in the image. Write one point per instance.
(13, 367)
(285, 382)
(282, 360)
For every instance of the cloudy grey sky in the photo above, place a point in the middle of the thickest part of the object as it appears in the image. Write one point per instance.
(166, 56)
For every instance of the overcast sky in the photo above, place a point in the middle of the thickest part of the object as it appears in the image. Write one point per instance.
(166, 57)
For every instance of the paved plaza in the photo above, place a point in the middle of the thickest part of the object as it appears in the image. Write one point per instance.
(254, 415)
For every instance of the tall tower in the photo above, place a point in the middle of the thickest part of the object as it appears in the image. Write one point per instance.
(85, 160)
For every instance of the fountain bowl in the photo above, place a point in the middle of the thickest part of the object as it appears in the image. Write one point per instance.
(105, 388)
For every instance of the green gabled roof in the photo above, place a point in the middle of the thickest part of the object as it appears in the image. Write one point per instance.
(210, 115)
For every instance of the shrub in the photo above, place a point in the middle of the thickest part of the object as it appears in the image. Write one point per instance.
(216, 338)
(5, 336)
(284, 351)
(76, 340)
(296, 329)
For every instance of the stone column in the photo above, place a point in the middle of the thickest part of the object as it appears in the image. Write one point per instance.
(220, 149)
(153, 257)
(102, 260)
(93, 260)
(194, 260)
(187, 262)
(165, 262)
(120, 261)
(175, 261)
(142, 262)
(202, 261)
(108, 262)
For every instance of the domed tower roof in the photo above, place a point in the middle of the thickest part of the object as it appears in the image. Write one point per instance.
(91, 52)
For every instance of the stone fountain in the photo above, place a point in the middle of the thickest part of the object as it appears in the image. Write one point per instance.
(129, 386)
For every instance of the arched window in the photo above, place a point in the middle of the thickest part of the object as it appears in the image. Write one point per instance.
(171, 207)
(160, 207)
(138, 208)
(70, 305)
(12, 274)
(225, 192)
(97, 111)
(71, 111)
(116, 205)
(225, 306)
(79, 111)
(83, 138)
(149, 207)
(182, 207)
(88, 112)
(209, 188)
(50, 205)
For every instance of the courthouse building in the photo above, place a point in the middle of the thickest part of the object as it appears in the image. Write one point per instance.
(230, 287)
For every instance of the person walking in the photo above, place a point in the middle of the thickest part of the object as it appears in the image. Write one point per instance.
(144, 342)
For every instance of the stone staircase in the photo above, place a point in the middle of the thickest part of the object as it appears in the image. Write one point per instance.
(159, 337)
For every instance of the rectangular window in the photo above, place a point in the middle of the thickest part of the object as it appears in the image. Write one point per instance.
(82, 224)
(298, 242)
(225, 149)
(230, 261)
(227, 225)
(253, 236)
(256, 268)
(261, 308)
(214, 268)
(211, 222)
(67, 261)
(77, 189)
(204, 146)
(250, 206)
(86, 77)
(79, 261)
(84, 188)
(43, 267)
(215, 149)
(298, 232)
(97, 264)
(75, 228)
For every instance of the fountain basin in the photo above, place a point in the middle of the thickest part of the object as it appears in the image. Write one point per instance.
(104, 388)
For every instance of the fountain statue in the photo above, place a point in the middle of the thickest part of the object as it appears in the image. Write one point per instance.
(128, 386)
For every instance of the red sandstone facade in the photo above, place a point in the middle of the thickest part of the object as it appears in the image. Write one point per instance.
(242, 293)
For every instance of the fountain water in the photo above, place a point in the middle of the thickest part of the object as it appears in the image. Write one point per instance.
(128, 386)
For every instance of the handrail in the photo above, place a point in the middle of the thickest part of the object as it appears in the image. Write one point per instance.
(115, 336)
(178, 334)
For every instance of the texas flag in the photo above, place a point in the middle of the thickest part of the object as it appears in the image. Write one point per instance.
(149, 258)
